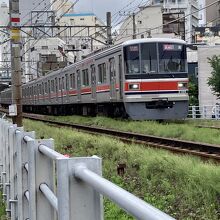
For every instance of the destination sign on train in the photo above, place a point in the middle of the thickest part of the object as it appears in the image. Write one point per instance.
(172, 47)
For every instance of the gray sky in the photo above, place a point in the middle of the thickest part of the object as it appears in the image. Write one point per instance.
(100, 7)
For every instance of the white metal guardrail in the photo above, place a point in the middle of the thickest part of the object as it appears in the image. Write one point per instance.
(29, 169)
(204, 112)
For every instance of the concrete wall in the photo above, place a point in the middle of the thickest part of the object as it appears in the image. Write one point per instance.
(204, 71)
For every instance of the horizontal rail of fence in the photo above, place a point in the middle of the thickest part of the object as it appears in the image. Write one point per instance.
(204, 112)
(39, 183)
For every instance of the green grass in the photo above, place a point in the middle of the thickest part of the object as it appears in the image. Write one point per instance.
(184, 130)
(184, 187)
(2, 208)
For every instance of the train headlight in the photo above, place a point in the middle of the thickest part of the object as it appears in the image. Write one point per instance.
(134, 86)
(182, 85)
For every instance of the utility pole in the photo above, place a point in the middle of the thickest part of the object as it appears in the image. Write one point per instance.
(132, 17)
(134, 26)
(16, 60)
(109, 28)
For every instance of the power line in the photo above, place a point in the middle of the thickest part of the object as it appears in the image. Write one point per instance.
(160, 26)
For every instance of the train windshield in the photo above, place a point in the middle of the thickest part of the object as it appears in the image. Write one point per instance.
(172, 57)
(132, 59)
(150, 58)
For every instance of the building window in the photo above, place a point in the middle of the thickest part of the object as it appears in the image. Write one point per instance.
(102, 73)
(44, 47)
(85, 77)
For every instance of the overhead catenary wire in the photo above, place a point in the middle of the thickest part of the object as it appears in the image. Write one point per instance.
(160, 26)
(37, 40)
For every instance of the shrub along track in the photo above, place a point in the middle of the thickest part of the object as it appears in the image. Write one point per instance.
(206, 151)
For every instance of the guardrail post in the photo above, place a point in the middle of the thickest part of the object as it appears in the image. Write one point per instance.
(45, 171)
(204, 112)
(24, 179)
(12, 155)
(77, 200)
(7, 168)
(18, 168)
(1, 151)
(217, 116)
(194, 112)
(31, 148)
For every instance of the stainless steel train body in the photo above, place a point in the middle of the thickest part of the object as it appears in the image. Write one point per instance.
(143, 78)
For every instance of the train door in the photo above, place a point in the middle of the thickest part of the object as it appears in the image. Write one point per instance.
(120, 73)
(93, 82)
(78, 85)
(56, 89)
(67, 88)
(112, 79)
(62, 90)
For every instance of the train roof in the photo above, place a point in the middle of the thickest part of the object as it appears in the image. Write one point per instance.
(153, 40)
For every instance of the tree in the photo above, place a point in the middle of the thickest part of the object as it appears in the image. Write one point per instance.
(193, 91)
(214, 79)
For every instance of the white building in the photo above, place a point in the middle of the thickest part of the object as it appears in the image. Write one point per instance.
(166, 18)
(206, 96)
(146, 19)
(189, 10)
(43, 56)
(5, 58)
(82, 40)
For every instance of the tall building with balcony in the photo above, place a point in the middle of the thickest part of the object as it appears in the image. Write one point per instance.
(180, 11)
(5, 56)
(212, 13)
(168, 18)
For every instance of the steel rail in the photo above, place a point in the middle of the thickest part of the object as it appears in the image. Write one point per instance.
(206, 150)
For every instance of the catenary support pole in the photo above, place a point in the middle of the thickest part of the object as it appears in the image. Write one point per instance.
(16, 59)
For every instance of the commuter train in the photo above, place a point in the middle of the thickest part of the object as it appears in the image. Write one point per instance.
(141, 78)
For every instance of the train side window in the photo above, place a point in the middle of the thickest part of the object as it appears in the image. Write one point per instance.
(63, 85)
(59, 83)
(73, 80)
(67, 81)
(52, 85)
(102, 73)
(93, 78)
(48, 88)
(112, 66)
(85, 77)
(45, 87)
(56, 86)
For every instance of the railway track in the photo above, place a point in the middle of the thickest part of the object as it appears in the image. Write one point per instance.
(211, 127)
(207, 151)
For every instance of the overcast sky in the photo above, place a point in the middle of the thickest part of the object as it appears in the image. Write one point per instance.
(100, 7)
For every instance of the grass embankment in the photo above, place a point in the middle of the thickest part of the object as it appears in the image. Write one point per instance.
(182, 186)
(183, 130)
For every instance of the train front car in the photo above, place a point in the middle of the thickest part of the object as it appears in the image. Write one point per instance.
(156, 79)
